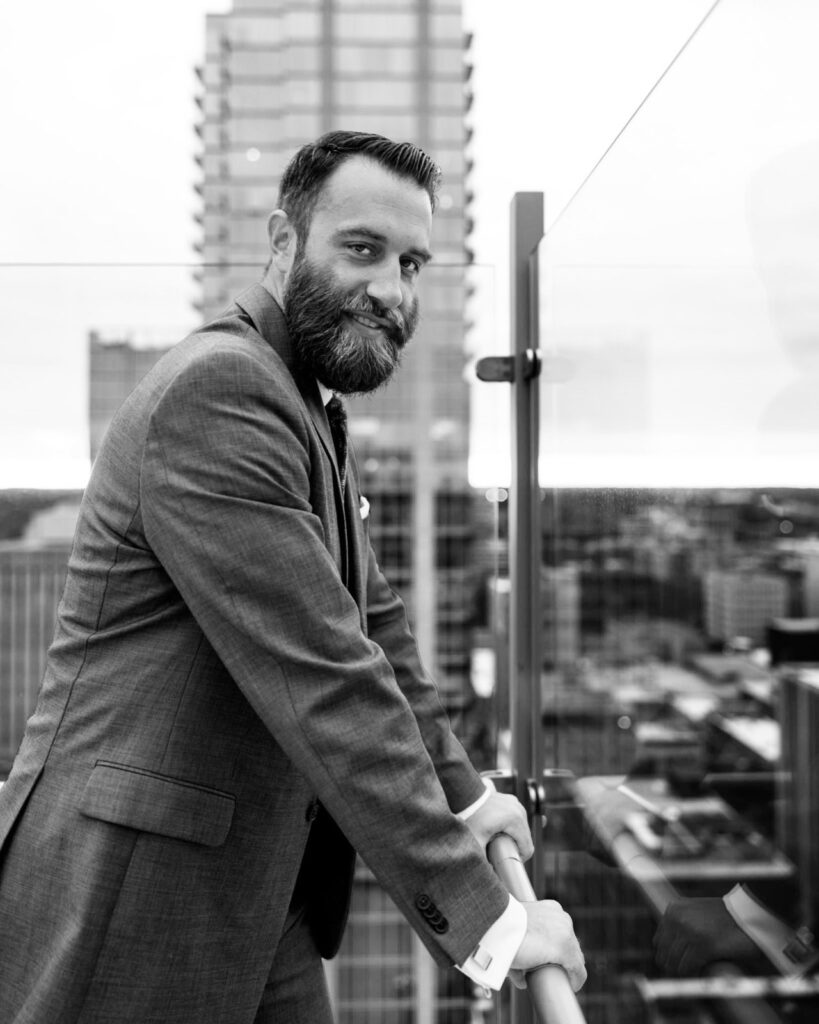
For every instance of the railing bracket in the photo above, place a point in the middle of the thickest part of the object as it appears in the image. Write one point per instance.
(501, 369)
(496, 369)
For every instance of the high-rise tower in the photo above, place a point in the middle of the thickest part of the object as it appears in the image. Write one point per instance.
(277, 74)
(115, 367)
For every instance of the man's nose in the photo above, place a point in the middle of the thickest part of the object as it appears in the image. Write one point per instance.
(385, 287)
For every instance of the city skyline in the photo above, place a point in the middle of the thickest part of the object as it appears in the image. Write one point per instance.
(674, 290)
(98, 231)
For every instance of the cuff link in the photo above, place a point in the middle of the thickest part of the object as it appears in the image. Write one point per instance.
(482, 958)
(801, 946)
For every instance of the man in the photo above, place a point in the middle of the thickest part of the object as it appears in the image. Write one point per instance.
(233, 701)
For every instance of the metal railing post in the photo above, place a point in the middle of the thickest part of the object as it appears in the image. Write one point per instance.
(550, 992)
(524, 517)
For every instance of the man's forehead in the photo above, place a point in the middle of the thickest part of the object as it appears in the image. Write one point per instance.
(362, 180)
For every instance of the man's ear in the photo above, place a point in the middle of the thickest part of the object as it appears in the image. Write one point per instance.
(283, 240)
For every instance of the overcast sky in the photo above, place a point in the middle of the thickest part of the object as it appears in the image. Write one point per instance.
(651, 274)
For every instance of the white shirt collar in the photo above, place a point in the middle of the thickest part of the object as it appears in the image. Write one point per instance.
(326, 393)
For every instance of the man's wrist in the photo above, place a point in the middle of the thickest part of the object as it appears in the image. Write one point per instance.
(490, 961)
(791, 952)
(489, 789)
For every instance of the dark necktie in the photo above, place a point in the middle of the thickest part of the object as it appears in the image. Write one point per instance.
(337, 415)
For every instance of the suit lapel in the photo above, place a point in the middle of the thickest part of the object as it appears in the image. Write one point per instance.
(356, 540)
(312, 398)
(267, 317)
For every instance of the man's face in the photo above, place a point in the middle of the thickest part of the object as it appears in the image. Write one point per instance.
(350, 296)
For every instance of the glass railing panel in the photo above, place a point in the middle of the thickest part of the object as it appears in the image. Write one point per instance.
(679, 327)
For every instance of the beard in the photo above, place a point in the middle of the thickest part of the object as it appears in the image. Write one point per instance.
(326, 347)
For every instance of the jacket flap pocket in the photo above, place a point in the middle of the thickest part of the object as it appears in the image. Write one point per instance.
(150, 802)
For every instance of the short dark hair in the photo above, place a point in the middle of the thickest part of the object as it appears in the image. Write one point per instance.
(313, 164)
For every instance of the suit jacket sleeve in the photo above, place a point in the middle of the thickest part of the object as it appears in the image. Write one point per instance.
(225, 502)
(388, 627)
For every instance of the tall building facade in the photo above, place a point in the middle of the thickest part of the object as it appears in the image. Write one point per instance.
(31, 582)
(278, 74)
(115, 367)
(742, 603)
(560, 607)
(809, 557)
(798, 782)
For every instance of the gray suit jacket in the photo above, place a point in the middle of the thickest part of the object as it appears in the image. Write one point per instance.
(232, 696)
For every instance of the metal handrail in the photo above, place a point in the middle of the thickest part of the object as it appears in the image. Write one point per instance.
(552, 997)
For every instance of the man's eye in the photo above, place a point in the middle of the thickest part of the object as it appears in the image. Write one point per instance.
(411, 266)
(360, 248)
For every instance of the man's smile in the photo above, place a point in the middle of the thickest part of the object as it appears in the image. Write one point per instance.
(370, 322)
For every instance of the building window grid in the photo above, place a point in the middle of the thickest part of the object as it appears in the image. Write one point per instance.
(392, 27)
(367, 7)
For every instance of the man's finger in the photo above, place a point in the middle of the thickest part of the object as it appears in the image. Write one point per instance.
(518, 829)
(577, 975)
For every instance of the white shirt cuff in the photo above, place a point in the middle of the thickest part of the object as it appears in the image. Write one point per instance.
(489, 962)
(467, 812)
(783, 946)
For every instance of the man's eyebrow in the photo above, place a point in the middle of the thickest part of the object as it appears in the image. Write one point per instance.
(422, 254)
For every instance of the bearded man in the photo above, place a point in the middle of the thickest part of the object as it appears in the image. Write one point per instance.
(233, 701)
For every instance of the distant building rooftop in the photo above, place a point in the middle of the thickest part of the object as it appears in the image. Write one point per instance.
(728, 668)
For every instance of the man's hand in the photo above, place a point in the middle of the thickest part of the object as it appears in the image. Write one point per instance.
(696, 932)
(502, 813)
(550, 939)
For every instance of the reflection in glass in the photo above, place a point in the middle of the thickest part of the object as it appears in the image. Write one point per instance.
(679, 328)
